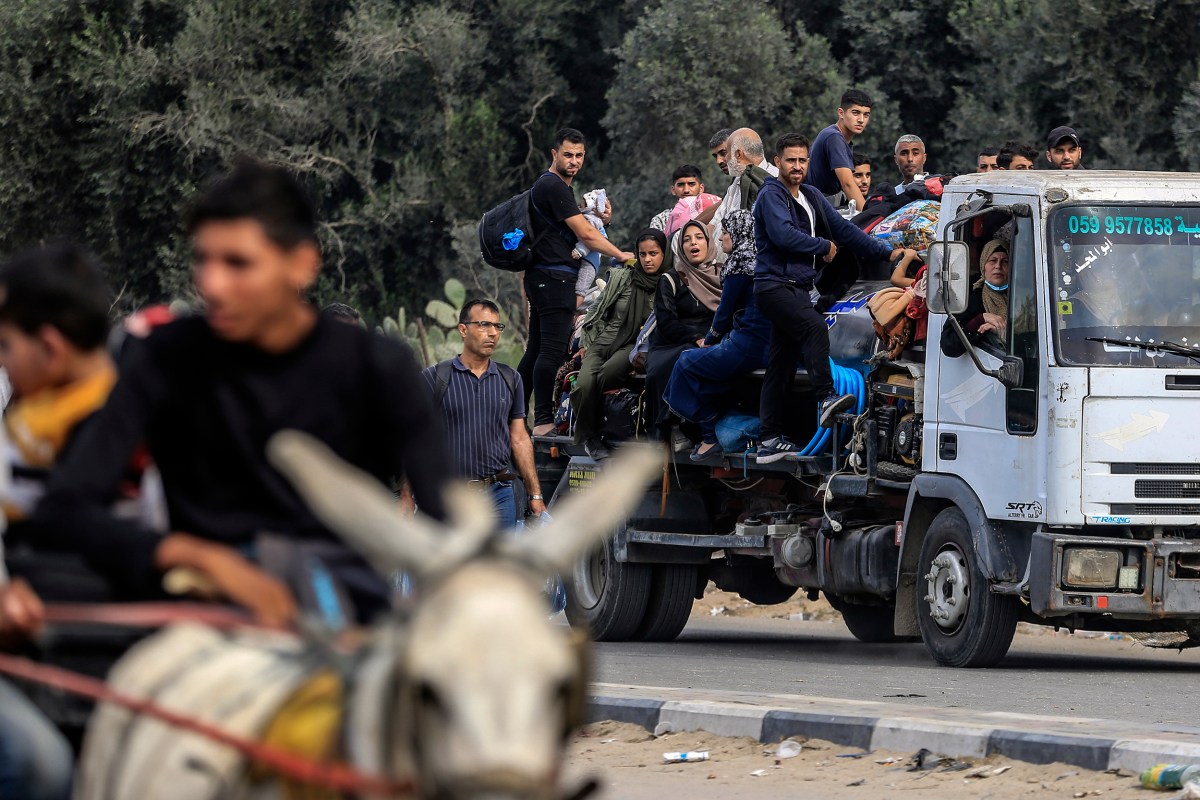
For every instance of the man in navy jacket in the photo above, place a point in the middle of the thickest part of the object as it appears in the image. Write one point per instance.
(794, 226)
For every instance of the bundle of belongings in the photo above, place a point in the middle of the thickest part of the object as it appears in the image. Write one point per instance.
(900, 316)
(687, 209)
(886, 199)
(914, 227)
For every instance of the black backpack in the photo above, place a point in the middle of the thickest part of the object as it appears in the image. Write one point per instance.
(506, 239)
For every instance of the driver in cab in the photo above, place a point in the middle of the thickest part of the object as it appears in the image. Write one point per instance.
(985, 320)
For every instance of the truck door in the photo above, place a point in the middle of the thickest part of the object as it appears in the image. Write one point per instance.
(983, 432)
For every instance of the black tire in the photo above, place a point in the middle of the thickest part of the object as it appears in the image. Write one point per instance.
(756, 583)
(607, 598)
(973, 626)
(672, 591)
(871, 624)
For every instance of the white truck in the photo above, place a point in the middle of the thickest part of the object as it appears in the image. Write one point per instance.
(1052, 478)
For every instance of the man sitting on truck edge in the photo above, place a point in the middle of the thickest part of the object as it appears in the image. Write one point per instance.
(1063, 149)
(831, 166)
(910, 158)
(862, 173)
(793, 226)
(686, 181)
(986, 160)
(1016, 155)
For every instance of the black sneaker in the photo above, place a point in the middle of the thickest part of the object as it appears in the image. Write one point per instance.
(833, 405)
(776, 449)
(595, 449)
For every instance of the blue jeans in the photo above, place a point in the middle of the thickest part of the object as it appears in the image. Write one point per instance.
(703, 376)
(504, 500)
(35, 759)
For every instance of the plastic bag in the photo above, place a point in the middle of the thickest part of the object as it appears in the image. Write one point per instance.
(555, 591)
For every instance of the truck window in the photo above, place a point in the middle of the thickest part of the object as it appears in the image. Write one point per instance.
(1021, 406)
(1127, 273)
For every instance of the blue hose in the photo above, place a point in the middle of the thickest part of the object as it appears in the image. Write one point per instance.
(845, 381)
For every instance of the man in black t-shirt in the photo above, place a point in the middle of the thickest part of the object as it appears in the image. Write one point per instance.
(205, 394)
(550, 282)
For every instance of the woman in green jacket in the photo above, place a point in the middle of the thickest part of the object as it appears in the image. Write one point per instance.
(609, 332)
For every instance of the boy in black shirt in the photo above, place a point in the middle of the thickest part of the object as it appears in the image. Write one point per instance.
(206, 394)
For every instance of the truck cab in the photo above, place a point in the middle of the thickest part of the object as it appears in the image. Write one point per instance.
(1048, 473)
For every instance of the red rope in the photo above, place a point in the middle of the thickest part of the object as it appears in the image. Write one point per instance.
(146, 615)
(333, 776)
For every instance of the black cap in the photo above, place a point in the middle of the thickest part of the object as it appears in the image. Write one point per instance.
(1060, 133)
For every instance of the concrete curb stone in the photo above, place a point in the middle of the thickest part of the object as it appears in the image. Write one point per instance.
(869, 725)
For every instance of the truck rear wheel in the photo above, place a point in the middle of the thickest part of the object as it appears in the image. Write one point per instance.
(606, 597)
(963, 624)
(871, 624)
(672, 590)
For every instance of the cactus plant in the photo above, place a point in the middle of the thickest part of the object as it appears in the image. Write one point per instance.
(434, 336)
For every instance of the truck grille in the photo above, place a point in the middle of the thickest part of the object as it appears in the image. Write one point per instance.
(1172, 509)
(1127, 468)
(1165, 490)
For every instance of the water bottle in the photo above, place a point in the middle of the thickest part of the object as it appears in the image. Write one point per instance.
(1170, 776)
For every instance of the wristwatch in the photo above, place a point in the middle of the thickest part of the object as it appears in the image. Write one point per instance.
(535, 497)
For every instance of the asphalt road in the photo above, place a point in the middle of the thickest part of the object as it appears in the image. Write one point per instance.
(1042, 674)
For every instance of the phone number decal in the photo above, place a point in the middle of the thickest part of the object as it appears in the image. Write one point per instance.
(1128, 226)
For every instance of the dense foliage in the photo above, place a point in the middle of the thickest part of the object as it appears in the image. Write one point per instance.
(408, 118)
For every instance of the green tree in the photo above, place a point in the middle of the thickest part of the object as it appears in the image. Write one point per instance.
(1114, 69)
(685, 71)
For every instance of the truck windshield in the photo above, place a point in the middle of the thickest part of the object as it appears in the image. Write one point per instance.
(1126, 274)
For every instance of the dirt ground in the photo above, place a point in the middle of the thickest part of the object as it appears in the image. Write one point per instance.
(717, 603)
(628, 762)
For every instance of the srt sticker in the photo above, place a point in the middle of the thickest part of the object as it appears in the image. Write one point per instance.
(1024, 510)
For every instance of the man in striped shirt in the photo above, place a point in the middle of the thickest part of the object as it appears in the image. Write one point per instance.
(483, 409)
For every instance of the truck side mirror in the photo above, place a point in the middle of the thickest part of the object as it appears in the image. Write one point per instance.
(1011, 373)
(949, 277)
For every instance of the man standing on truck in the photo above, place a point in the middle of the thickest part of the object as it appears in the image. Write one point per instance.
(718, 145)
(550, 282)
(1063, 149)
(794, 225)
(831, 168)
(910, 158)
(483, 406)
(750, 168)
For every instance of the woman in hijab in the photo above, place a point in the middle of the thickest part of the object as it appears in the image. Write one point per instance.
(609, 332)
(687, 297)
(986, 319)
(736, 344)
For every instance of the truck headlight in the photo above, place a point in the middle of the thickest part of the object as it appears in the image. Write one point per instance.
(1090, 568)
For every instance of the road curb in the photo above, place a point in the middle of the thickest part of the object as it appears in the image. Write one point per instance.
(1087, 743)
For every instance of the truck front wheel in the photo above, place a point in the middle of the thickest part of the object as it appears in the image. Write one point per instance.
(607, 597)
(962, 623)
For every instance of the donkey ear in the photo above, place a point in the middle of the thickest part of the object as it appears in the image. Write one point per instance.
(586, 519)
(355, 505)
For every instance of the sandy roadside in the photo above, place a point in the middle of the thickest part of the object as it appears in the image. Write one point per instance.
(629, 763)
(718, 603)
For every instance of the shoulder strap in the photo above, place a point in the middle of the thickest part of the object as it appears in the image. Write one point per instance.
(442, 372)
(510, 378)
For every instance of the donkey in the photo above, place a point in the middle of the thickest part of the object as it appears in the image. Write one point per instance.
(468, 689)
